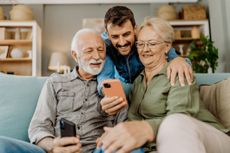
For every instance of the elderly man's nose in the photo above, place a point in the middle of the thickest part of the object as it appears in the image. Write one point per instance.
(96, 55)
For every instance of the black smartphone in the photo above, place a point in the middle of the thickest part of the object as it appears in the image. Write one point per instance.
(67, 128)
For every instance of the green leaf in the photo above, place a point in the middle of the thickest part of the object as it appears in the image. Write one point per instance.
(203, 51)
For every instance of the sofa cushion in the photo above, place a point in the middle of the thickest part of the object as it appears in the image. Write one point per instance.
(216, 97)
(18, 99)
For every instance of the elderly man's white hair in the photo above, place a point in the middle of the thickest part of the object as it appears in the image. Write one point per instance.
(77, 35)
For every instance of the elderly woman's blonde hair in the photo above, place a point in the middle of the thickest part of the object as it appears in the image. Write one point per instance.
(162, 28)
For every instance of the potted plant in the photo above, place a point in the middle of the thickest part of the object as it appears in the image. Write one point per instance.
(203, 55)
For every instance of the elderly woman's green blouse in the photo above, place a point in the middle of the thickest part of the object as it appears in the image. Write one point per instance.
(158, 99)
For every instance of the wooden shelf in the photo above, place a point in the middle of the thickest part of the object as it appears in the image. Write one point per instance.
(185, 39)
(184, 34)
(17, 24)
(16, 60)
(29, 43)
(15, 42)
(96, 1)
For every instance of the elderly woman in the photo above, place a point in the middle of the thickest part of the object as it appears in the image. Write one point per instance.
(168, 118)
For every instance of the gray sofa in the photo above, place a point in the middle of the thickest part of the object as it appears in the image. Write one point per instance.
(19, 95)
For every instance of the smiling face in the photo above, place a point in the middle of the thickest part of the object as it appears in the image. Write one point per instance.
(151, 47)
(90, 54)
(122, 37)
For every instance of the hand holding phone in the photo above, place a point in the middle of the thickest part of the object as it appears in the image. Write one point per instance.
(67, 128)
(113, 87)
(115, 98)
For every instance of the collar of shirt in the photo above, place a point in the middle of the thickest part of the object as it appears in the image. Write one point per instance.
(75, 75)
(163, 71)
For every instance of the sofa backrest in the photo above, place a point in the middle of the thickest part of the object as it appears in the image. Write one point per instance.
(18, 99)
(19, 95)
(210, 78)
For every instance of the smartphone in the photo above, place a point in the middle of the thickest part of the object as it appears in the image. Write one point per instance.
(67, 128)
(113, 87)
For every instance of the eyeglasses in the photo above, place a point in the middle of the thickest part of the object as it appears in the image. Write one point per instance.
(150, 44)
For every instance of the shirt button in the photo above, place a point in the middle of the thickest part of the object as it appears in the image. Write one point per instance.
(82, 113)
(86, 99)
(78, 127)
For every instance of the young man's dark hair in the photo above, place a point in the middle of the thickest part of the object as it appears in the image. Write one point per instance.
(118, 15)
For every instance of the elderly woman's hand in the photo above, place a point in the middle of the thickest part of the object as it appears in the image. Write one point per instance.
(182, 68)
(112, 105)
(126, 136)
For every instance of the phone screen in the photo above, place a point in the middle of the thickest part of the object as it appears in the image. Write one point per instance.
(67, 128)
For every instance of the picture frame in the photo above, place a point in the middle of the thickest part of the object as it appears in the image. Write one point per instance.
(3, 52)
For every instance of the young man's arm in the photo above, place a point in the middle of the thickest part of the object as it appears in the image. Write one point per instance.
(179, 66)
(107, 72)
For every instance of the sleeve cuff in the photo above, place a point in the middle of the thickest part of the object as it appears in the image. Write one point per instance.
(39, 136)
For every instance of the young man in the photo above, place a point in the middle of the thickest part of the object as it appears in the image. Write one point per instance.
(122, 60)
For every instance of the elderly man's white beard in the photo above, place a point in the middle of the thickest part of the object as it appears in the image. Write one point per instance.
(85, 65)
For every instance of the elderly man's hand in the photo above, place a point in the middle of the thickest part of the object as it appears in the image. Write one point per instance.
(126, 136)
(182, 68)
(66, 145)
(112, 105)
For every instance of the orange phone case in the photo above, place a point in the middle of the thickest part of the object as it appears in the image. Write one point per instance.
(113, 87)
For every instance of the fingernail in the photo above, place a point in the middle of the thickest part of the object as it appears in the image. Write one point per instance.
(172, 84)
(182, 85)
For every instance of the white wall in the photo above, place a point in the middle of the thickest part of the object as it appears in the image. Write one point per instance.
(220, 23)
(60, 22)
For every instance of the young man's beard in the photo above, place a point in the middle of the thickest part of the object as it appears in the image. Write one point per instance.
(85, 65)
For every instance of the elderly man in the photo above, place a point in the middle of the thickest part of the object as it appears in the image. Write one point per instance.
(73, 97)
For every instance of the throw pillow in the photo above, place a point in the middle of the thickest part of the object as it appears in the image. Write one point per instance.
(216, 98)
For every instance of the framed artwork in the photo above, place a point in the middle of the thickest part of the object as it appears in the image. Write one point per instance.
(3, 51)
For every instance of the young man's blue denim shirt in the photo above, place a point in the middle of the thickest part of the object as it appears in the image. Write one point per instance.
(124, 68)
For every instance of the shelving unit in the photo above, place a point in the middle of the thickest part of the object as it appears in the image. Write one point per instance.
(15, 42)
(25, 37)
(184, 34)
(96, 1)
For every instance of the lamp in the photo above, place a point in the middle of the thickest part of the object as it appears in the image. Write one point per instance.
(58, 62)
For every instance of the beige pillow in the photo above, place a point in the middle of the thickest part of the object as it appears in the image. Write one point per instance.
(216, 98)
